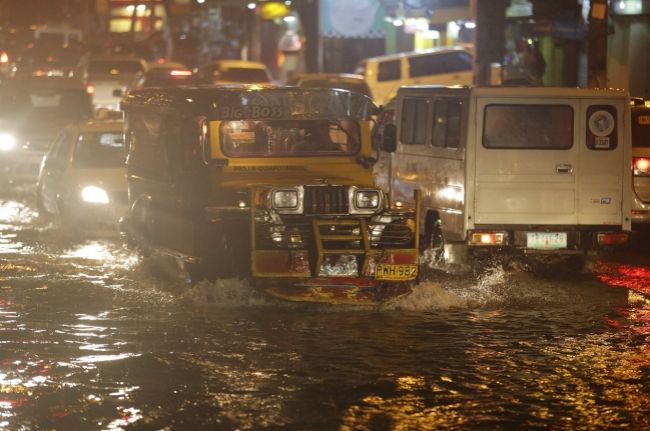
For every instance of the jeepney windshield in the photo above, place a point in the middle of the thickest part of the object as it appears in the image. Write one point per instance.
(282, 138)
(99, 150)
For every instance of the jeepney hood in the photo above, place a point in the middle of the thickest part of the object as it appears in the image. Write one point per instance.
(270, 171)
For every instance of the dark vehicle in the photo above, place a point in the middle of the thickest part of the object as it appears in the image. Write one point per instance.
(40, 60)
(641, 164)
(345, 81)
(163, 75)
(32, 112)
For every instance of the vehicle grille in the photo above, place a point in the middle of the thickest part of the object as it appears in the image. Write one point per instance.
(326, 200)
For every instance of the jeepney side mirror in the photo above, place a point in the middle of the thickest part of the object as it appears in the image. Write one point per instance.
(388, 141)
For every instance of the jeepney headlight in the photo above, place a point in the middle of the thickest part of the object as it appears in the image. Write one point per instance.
(94, 195)
(7, 142)
(365, 201)
(287, 200)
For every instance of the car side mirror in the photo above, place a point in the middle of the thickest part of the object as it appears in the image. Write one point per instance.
(117, 92)
(388, 140)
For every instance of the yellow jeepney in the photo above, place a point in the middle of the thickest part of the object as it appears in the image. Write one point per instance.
(275, 183)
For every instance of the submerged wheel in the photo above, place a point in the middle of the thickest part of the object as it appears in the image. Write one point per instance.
(434, 240)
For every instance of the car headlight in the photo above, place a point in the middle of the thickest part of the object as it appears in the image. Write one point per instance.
(7, 142)
(365, 201)
(288, 201)
(94, 195)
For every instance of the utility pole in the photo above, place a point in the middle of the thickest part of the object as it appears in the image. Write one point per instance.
(490, 37)
(597, 48)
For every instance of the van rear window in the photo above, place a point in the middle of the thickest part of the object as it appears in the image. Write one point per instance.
(389, 70)
(641, 129)
(541, 127)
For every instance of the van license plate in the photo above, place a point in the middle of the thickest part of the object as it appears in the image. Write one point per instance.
(546, 240)
(395, 272)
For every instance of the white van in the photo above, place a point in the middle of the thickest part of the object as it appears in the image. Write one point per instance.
(442, 66)
(58, 35)
(530, 169)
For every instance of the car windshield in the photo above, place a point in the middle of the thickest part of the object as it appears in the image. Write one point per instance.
(114, 67)
(51, 103)
(283, 138)
(100, 150)
(641, 128)
(241, 74)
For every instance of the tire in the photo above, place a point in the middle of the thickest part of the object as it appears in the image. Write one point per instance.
(434, 239)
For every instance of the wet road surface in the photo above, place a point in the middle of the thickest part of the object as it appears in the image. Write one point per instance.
(92, 336)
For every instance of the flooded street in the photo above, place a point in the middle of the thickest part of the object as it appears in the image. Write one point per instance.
(95, 337)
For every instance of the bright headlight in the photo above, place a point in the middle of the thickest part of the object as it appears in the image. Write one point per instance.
(94, 195)
(366, 200)
(287, 200)
(7, 142)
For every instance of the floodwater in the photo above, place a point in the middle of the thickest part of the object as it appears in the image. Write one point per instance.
(94, 337)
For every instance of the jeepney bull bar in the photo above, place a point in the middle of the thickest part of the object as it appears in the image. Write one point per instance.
(382, 246)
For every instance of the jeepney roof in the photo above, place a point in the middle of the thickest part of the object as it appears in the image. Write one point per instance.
(238, 102)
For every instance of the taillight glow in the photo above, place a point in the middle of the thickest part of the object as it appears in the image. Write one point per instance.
(4, 57)
(641, 166)
(90, 89)
(180, 73)
(613, 238)
(487, 238)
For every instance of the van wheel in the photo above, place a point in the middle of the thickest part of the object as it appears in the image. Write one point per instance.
(434, 241)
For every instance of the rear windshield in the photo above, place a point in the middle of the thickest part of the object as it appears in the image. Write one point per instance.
(641, 128)
(241, 74)
(54, 103)
(284, 138)
(100, 150)
(359, 87)
(114, 67)
(544, 127)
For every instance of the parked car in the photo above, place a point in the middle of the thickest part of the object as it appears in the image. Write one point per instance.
(82, 179)
(345, 81)
(32, 112)
(104, 74)
(641, 164)
(234, 71)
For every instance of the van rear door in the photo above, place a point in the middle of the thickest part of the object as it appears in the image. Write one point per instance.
(538, 162)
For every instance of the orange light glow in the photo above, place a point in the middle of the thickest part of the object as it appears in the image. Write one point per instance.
(180, 73)
(4, 57)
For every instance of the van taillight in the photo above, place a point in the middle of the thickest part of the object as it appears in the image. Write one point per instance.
(90, 89)
(181, 73)
(641, 166)
(487, 238)
(4, 57)
(613, 238)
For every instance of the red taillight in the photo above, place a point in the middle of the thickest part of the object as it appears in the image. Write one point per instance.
(641, 166)
(487, 238)
(181, 73)
(4, 57)
(613, 238)
(90, 89)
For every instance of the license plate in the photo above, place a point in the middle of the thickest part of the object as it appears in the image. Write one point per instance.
(546, 240)
(395, 272)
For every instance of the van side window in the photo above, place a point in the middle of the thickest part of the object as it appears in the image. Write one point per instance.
(414, 121)
(542, 127)
(389, 70)
(446, 123)
(145, 147)
(601, 127)
(457, 62)
(438, 63)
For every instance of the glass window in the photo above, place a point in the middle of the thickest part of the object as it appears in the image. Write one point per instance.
(546, 127)
(389, 70)
(641, 128)
(241, 74)
(446, 123)
(145, 147)
(414, 119)
(456, 62)
(99, 150)
(284, 138)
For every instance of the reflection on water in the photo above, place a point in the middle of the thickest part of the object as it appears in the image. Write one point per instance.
(94, 337)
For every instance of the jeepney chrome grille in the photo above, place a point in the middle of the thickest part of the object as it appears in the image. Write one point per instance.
(327, 200)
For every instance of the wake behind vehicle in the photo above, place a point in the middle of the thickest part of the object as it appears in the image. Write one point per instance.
(275, 183)
(533, 170)
(82, 179)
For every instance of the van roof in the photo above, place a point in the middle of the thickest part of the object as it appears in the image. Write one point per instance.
(416, 53)
(524, 92)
